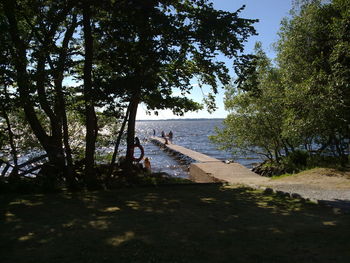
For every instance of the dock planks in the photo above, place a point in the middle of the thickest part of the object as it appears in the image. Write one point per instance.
(196, 156)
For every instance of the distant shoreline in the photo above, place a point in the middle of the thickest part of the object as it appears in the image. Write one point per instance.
(189, 119)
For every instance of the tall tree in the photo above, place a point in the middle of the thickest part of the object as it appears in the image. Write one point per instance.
(34, 39)
(303, 101)
(90, 114)
(160, 45)
(256, 105)
(311, 55)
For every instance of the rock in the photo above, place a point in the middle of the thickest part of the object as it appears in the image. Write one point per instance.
(268, 191)
(295, 195)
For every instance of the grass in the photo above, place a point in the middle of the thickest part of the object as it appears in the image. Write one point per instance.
(282, 176)
(315, 170)
(184, 223)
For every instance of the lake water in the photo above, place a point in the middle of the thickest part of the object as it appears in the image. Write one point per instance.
(192, 134)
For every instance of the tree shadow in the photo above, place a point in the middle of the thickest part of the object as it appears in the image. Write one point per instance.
(341, 205)
(184, 223)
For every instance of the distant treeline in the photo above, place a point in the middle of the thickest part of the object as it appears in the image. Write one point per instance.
(189, 119)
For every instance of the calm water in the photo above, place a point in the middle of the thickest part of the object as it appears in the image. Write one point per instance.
(192, 134)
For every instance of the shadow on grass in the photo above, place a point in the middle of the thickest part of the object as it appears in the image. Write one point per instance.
(188, 223)
(342, 205)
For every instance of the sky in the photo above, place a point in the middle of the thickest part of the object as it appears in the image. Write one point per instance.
(270, 14)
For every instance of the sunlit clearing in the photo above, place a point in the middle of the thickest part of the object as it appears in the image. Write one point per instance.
(70, 224)
(133, 204)
(275, 230)
(111, 209)
(10, 218)
(99, 224)
(26, 202)
(116, 241)
(27, 237)
(329, 223)
(9, 214)
(208, 200)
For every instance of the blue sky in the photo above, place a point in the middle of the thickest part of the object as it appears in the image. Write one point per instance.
(270, 14)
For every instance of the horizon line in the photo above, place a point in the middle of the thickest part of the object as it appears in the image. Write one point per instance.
(181, 119)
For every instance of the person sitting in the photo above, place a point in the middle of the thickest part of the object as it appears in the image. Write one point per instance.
(147, 164)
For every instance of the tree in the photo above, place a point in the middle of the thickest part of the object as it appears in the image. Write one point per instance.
(34, 46)
(90, 114)
(303, 101)
(177, 40)
(256, 106)
(317, 92)
(120, 53)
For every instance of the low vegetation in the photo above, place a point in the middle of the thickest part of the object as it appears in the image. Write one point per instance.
(299, 161)
(321, 173)
(136, 175)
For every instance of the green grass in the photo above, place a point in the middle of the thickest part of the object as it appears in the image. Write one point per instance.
(281, 176)
(314, 170)
(184, 223)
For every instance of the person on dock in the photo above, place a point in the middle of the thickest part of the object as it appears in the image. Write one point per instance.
(154, 132)
(170, 135)
(163, 134)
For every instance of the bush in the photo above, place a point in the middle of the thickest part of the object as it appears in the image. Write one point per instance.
(269, 169)
(293, 163)
(298, 158)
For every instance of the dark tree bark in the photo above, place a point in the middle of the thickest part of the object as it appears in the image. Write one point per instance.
(117, 143)
(58, 116)
(131, 128)
(19, 55)
(11, 141)
(91, 127)
(58, 79)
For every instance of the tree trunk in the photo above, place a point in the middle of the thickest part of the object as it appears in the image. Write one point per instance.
(117, 143)
(91, 129)
(131, 128)
(58, 74)
(19, 56)
(11, 141)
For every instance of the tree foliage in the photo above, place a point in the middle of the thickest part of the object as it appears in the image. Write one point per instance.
(255, 122)
(72, 65)
(301, 102)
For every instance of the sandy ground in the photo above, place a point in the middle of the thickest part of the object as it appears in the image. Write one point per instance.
(324, 178)
(323, 184)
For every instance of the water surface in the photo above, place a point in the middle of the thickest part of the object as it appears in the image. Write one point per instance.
(192, 134)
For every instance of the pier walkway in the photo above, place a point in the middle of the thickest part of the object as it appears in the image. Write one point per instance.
(206, 169)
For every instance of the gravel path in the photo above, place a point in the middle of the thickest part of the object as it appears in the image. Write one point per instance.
(316, 193)
(329, 190)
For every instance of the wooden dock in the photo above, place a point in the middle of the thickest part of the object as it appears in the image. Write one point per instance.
(177, 149)
(206, 169)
